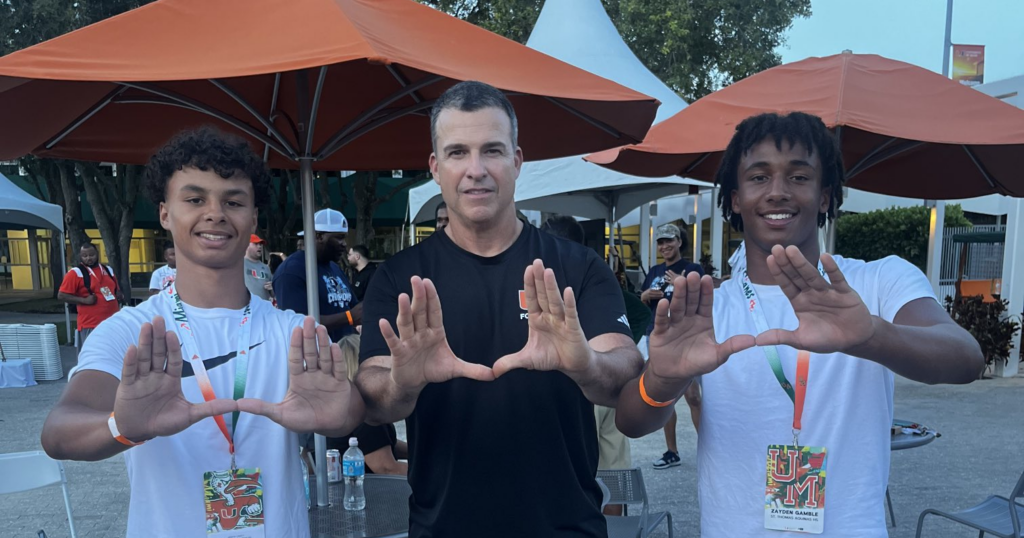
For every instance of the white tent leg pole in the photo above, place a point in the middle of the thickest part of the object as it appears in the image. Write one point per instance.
(64, 270)
(1013, 278)
(645, 236)
(938, 216)
(698, 229)
(717, 234)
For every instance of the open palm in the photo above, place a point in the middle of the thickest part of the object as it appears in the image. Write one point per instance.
(149, 402)
(420, 352)
(832, 317)
(682, 344)
(318, 385)
(556, 340)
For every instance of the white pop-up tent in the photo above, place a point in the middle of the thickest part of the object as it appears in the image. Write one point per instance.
(20, 210)
(579, 32)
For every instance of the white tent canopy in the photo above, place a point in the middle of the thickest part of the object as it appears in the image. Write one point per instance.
(579, 32)
(592, 197)
(20, 210)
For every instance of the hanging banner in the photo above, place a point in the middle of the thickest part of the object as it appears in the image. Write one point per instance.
(969, 64)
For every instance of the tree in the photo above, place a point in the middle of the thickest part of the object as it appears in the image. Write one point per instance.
(694, 46)
(367, 201)
(25, 23)
(112, 199)
(283, 214)
(902, 231)
(55, 182)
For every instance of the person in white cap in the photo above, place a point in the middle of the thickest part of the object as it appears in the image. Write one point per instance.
(340, 310)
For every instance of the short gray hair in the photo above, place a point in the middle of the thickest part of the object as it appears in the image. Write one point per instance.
(470, 96)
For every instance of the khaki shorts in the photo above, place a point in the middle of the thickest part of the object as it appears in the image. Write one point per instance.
(613, 446)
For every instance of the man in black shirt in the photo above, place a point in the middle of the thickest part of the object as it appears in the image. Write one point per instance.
(359, 259)
(498, 395)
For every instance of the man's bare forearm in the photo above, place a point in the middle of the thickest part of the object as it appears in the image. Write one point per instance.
(77, 432)
(72, 299)
(636, 418)
(386, 402)
(942, 353)
(76, 428)
(609, 372)
(339, 320)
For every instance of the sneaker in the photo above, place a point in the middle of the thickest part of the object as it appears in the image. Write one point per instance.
(669, 459)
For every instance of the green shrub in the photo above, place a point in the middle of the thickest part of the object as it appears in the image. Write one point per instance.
(986, 324)
(902, 231)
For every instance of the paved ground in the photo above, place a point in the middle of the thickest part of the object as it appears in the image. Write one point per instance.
(981, 452)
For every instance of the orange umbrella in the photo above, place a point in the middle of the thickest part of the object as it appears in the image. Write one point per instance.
(904, 130)
(325, 84)
(346, 84)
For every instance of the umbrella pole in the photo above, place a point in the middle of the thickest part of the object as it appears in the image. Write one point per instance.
(313, 305)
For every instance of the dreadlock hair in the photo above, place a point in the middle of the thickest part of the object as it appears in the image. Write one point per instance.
(793, 128)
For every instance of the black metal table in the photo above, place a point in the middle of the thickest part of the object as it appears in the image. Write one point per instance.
(386, 513)
(903, 441)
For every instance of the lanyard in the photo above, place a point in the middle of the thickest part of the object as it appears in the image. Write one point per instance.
(191, 349)
(803, 358)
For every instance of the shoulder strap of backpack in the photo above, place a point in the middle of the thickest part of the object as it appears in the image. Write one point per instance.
(110, 271)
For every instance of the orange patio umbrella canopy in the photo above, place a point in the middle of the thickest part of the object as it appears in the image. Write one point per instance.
(342, 84)
(904, 130)
(318, 84)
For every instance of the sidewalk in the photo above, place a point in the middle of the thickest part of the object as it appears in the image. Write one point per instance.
(979, 454)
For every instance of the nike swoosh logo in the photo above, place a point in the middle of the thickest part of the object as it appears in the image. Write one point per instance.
(210, 364)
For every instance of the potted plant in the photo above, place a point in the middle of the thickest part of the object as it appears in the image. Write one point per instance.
(988, 324)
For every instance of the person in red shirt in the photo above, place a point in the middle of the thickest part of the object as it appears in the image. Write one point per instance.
(96, 301)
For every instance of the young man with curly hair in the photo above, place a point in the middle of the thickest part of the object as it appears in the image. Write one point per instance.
(797, 352)
(182, 383)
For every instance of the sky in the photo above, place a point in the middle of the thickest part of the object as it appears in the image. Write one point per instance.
(912, 31)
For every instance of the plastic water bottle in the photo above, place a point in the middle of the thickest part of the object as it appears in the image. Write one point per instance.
(354, 469)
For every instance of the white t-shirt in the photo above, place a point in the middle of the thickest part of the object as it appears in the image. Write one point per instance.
(166, 473)
(162, 278)
(848, 409)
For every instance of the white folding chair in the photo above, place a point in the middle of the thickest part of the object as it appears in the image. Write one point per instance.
(23, 471)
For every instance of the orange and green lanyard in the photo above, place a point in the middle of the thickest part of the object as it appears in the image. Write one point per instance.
(803, 358)
(191, 349)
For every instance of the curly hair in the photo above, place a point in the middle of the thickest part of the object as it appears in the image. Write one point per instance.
(793, 128)
(206, 149)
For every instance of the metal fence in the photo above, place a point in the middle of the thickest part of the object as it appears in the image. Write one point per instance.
(984, 260)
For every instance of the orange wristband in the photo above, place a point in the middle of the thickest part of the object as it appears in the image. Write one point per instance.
(117, 435)
(651, 401)
(348, 314)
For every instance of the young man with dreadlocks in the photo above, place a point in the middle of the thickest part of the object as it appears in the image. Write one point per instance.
(813, 339)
